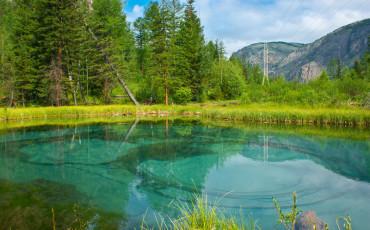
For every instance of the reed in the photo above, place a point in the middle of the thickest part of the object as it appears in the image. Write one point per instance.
(201, 215)
(255, 113)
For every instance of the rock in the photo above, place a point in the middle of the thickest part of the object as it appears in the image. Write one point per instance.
(310, 71)
(307, 221)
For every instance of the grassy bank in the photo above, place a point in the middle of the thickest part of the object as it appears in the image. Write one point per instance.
(255, 113)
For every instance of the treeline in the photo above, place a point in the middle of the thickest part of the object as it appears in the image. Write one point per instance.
(175, 64)
(62, 52)
(72, 52)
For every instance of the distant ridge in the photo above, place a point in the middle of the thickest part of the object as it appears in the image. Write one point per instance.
(305, 61)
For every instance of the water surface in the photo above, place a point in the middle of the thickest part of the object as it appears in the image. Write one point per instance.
(114, 174)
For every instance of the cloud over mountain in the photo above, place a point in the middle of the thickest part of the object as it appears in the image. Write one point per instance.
(242, 22)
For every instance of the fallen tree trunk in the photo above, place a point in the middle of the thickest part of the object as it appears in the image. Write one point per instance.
(114, 69)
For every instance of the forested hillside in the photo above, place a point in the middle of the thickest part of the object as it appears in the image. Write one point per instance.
(72, 52)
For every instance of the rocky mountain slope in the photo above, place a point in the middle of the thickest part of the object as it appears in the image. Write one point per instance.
(306, 61)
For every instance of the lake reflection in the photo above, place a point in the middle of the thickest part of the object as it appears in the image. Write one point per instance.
(118, 172)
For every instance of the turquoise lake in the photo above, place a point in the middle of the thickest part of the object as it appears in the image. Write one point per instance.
(115, 174)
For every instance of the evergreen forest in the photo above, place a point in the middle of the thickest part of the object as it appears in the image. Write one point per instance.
(83, 52)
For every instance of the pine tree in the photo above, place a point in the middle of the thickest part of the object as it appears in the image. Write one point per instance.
(143, 53)
(173, 12)
(78, 48)
(7, 74)
(144, 58)
(157, 43)
(60, 36)
(27, 88)
(115, 41)
(190, 41)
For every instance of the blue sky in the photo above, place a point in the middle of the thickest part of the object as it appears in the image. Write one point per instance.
(131, 3)
(242, 22)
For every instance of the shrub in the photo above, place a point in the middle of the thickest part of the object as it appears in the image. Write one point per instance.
(245, 98)
(183, 95)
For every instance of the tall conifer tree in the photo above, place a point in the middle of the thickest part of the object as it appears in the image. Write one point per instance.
(191, 50)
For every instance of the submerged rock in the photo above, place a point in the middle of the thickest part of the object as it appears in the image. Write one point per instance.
(307, 221)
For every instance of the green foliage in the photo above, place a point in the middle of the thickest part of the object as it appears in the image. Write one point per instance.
(254, 113)
(245, 98)
(116, 41)
(172, 54)
(55, 60)
(288, 220)
(190, 42)
(225, 81)
(335, 69)
(183, 95)
(203, 216)
(349, 89)
(7, 55)
(64, 52)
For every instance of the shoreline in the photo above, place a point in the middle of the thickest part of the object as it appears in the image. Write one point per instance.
(253, 114)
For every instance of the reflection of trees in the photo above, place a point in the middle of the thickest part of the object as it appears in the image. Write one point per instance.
(28, 206)
(78, 156)
(101, 161)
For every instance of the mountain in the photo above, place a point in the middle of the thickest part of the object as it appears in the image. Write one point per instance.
(306, 61)
(278, 51)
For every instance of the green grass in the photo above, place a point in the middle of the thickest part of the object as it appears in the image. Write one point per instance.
(255, 113)
(282, 114)
(200, 215)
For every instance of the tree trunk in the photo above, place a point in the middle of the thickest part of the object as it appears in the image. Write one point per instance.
(166, 85)
(166, 94)
(87, 81)
(58, 76)
(114, 69)
(79, 85)
(11, 99)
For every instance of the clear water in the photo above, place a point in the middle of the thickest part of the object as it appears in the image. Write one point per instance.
(115, 174)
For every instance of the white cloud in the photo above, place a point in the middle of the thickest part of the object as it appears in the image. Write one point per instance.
(137, 11)
(242, 22)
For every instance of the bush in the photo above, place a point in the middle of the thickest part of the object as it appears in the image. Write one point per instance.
(226, 81)
(183, 95)
(215, 93)
(245, 99)
(257, 93)
(355, 89)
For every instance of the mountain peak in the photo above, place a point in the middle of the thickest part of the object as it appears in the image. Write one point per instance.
(305, 61)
